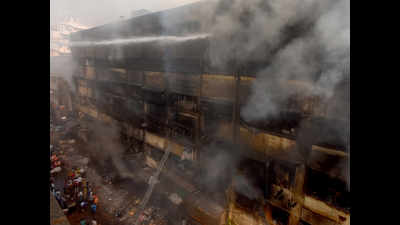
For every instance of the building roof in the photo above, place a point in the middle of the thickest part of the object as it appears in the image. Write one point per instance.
(172, 22)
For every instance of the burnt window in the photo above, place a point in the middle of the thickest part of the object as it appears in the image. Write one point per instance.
(217, 110)
(325, 188)
(303, 223)
(183, 102)
(134, 107)
(285, 123)
(154, 97)
(120, 109)
(331, 132)
(156, 116)
(255, 173)
(132, 91)
(183, 120)
(182, 126)
(157, 111)
(280, 216)
(104, 102)
(282, 174)
(245, 203)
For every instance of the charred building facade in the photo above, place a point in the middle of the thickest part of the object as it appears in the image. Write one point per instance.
(155, 77)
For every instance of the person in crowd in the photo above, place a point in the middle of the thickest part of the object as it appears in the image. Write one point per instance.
(52, 187)
(54, 158)
(69, 183)
(83, 205)
(65, 188)
(83, 221)
(80, 196)
(90, 198)
(93, 207)
(78, 180)
(63, 202)
(82, 172)
(77, 174)
(58, 194)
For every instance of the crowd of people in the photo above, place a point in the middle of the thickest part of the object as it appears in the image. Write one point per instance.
(69, 184)
(77, 193)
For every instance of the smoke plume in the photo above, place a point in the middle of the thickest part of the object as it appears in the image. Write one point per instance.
(64, 67)
(108, 146)
(305, 40)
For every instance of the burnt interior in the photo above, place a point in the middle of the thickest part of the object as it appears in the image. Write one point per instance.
(285, 123)
(282, 174)
(181, 102)
(280, 216)
(255, 173)
(330, 190)
(246, 204)
(182, 126)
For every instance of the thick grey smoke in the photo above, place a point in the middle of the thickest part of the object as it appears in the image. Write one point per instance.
(64, 67)
(243, 186)
(304, 46)
(218, 166)
(304, 40)
(107, 146)
(222, 167)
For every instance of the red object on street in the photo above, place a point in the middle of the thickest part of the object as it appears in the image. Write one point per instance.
(96, 199)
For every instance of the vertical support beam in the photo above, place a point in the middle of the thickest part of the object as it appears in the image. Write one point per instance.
(196, 153)
(236, 108)
(94, 89)
(167, 103)
(298, 197)
(144, 124)
(267, 178)
(231, 199)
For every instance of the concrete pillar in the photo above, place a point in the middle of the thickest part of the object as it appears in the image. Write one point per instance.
(298, 191)
(236, 109)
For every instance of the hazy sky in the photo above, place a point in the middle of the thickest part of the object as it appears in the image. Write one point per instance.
(97, 12)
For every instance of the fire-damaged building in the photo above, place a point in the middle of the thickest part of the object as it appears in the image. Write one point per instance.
(155, 77)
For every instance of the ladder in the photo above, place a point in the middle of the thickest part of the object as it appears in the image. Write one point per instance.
(152, 183)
